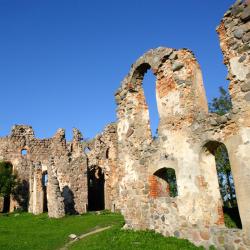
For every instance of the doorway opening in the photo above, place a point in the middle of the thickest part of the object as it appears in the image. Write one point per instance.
(216, 153)
(44, 185)
(95, 189)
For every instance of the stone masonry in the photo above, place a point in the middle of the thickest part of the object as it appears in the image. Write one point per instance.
(131, 160)
(187, 137)
(62, 161)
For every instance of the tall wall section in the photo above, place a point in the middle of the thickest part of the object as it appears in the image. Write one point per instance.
(64, 163)
(102, 153)
(187, 138)
(130, 163)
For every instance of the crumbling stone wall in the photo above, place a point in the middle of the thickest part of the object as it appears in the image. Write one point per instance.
(187, 138)
(36, 200)
(67, 166)
(71, 166)
(234, 33)
(130, 158)
(66, 182)
(102, 152)
(55, 199)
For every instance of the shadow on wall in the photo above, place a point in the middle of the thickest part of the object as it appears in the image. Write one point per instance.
(69, 203)
(21, 194)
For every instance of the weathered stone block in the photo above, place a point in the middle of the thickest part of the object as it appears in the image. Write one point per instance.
(245, 16)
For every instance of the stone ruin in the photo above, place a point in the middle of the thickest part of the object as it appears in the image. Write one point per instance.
(122, 168)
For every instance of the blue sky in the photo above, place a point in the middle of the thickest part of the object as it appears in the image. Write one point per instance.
(62, 60)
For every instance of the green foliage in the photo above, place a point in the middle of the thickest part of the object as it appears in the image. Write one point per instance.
(8, 180)
(168, 175)
(222, 104)
(225, 177)
(212, 247)
(171, 179)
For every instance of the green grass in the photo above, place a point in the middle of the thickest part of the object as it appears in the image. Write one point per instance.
(26, 231)
(117, 239)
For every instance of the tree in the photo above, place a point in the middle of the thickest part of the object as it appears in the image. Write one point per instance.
(8, 180)
(225, 177)
(222, 105)
(171, 180)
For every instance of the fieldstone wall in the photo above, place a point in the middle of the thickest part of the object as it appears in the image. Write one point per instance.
(36, 200)
(234, 33)
(187, 138)
(56, 207)
(102, 152)
(130, 159)
(66, 165)
(69, 166)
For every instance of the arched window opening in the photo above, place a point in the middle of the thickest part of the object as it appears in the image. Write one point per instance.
(7, 184)
(44, 185)
(149, 87)
(24, 152)
(225, 183)
(164, 183)
(95, 189)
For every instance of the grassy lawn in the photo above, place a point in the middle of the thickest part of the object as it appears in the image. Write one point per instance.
(26, 231)
(117, 239)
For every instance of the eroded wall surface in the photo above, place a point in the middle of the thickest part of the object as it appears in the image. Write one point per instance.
(64, 163)
(66, 166)
(102, 153)
(187, 138)
(130, 159)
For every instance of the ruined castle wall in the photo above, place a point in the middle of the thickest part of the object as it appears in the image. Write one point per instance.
(22, 138)
(140, 155)
(102, 152)
(69, 167)
(187, 138)
(130, 158)
(234, 33)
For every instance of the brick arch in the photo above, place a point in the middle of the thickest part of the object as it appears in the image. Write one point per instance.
(178, 79)
(163, 183)
(152, 59)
